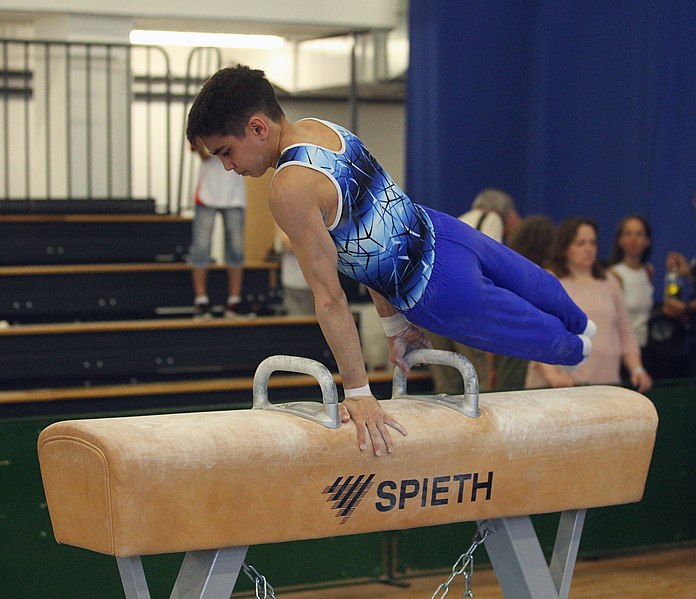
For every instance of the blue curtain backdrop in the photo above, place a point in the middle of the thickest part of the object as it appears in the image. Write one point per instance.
(574, 107)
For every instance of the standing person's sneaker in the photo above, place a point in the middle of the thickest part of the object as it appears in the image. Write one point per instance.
(236, 310)
(201, 311)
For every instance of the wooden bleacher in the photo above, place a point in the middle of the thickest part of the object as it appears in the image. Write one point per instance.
(87, 292)
(99, 314)
(113, 352)
(43, 239)
(182, 394)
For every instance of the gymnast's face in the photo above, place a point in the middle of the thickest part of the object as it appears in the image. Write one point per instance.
(248, 155)
(582, 251)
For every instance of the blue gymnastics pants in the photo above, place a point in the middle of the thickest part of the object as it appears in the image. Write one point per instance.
(485, 295)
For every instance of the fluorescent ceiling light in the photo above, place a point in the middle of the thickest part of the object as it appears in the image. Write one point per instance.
(194, 39)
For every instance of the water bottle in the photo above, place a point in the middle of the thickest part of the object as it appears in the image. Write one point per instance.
(673, 285)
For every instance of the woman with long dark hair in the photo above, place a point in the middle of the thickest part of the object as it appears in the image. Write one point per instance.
(629, 263)
(574, 261)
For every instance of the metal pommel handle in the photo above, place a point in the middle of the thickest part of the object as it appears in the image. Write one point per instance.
(325, 414)
(468, 403)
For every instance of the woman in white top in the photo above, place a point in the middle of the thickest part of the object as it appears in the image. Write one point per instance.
(629, 263)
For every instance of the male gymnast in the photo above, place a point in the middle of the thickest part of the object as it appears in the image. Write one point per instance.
(423, 268)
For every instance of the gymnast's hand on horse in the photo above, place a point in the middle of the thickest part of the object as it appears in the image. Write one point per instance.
(370, 420)
(399, 345)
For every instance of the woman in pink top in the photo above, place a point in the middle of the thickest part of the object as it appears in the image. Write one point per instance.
(574, 262)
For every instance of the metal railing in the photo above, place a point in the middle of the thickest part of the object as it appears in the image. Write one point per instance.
(95, 121)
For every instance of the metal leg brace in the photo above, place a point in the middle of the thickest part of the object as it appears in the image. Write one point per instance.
(209, 574)
(519, 562)
(514, 551)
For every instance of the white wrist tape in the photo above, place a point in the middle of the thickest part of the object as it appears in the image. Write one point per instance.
(395, 324)
(363, 391)
(638, 370)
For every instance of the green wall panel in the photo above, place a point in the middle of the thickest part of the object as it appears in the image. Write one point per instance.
(666, 516)
(32, 565)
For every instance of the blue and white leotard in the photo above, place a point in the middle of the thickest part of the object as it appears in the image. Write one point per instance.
(441, 273)
(382, 238)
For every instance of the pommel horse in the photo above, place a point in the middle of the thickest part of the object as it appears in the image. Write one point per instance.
(211, 484)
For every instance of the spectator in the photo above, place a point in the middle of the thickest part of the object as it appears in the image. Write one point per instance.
(677, 303)
(671, 349)
(298, 299)
(574, 262)
(629, 263)
(493, 213)
(532, 238)
(217, 191)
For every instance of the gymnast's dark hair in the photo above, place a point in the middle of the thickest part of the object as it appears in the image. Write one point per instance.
(227, 100)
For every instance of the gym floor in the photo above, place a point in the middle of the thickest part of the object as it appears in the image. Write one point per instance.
(663, 574)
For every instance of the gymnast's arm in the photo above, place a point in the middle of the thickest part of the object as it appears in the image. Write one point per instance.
(404, 338)
(295, 202)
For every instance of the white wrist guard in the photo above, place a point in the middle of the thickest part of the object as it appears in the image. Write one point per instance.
(363, 391)
(638, 370)
(395, 324)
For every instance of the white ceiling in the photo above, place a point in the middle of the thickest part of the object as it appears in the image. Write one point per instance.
(295, 20)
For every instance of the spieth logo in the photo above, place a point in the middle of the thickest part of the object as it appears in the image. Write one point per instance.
(345, 494)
